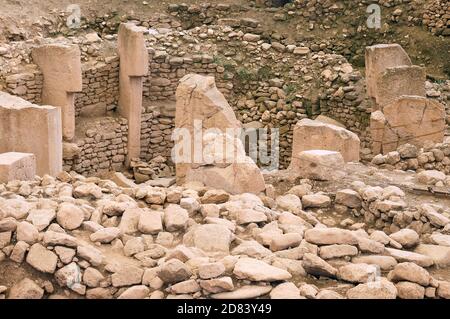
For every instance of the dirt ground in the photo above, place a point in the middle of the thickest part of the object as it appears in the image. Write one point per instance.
(424, 48)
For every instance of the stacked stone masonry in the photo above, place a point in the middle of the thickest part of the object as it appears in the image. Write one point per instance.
(102, 148)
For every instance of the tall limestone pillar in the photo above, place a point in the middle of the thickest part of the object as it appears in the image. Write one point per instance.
(61, 67)
(133, 66)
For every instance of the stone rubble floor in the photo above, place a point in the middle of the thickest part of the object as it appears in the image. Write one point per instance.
(77, 237)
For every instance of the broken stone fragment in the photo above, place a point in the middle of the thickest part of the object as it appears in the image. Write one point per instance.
(349, 198)
(26, 289)
(126, 275)
(174, 271)
(409, 271)
(286, 290)
(27, 232)
(358, 273)
(69, 216)
(247, 216)
(211, 270)
(330, 236)
(384, 262)
(135, 292)
(215, 197)
(217, 285)
(150, 222)
(407, 256)
(211, 238)
(175, 218)
(105, 235)
(317, 164)
(439, 254)
(19, 251)
(409, 290)
(316, 201)
(337, 251)
(58, 238)
(382, 289)
(285, 241)
(41, 218)
(42, 259)
(256, 270)
(406, 237)
(185, 287)
(91, 254)
(316, 266)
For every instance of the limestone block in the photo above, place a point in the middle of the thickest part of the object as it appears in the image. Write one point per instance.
(315, 135)
(317, 164)
(17, 166)
(328, 120)
(29, 128)
(225, 166)
(380, 57)
(398, 81)
(408, 119)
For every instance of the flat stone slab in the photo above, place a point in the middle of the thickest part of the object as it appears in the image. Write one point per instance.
(162, 182)
(17, 166)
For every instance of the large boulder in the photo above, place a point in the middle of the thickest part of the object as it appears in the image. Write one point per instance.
(206, 148)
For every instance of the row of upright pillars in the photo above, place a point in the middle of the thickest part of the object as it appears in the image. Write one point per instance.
(62, 72)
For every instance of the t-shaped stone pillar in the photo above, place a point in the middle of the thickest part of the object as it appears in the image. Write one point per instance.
(133, 66)
(61, 66)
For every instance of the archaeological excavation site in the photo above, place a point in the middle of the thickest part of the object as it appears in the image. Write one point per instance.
(228, 149)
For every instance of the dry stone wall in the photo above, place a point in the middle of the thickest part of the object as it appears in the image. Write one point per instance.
(437, 17)
(26, 85)
(156, 133)
(167, 70)
(102, 146)
(100, 88)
